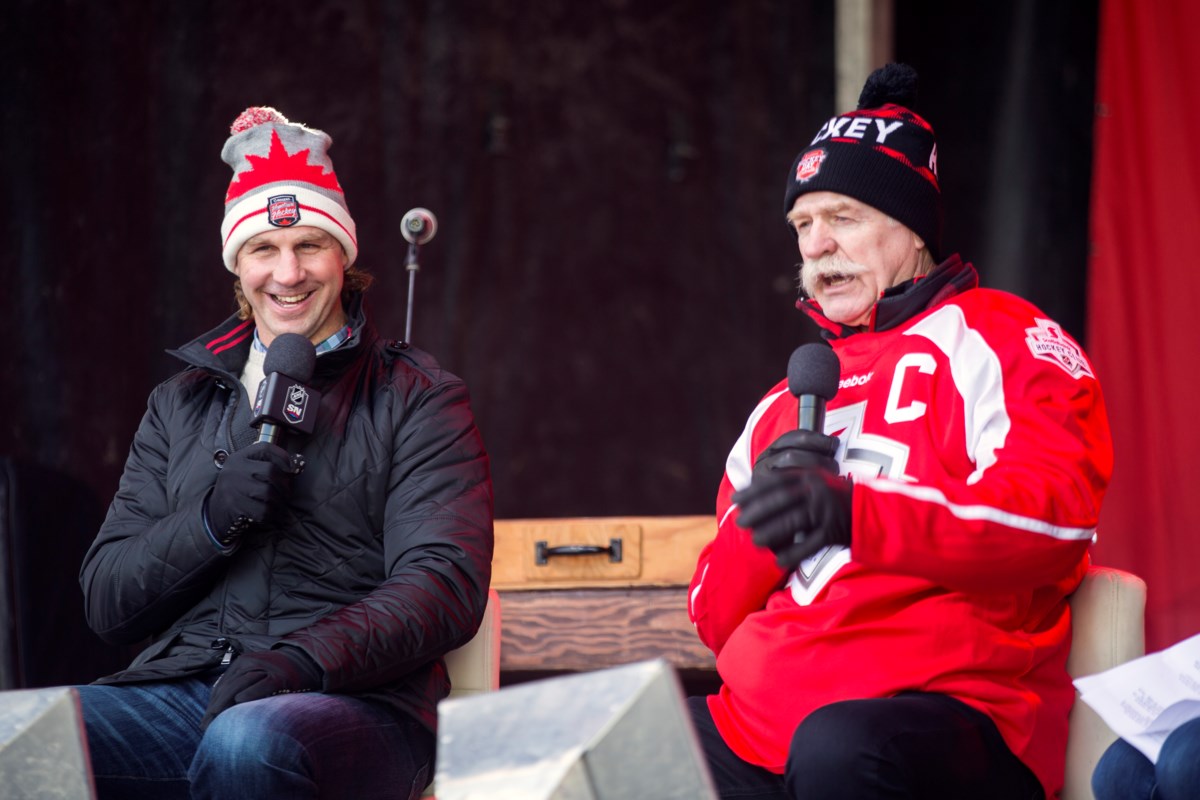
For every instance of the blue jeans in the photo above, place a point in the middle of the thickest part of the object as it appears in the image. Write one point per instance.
(1123, 772)
(145, 742)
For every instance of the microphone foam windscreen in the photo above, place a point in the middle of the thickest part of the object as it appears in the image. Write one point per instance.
(814, 369)
(293, 355)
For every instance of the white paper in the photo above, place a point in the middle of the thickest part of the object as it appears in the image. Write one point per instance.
(1145, 699)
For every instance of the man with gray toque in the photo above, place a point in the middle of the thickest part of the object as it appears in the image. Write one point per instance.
(297, 595)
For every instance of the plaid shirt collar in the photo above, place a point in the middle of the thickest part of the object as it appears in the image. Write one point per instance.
(335, 340)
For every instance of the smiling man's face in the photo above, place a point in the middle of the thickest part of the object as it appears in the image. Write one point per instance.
(292, 278)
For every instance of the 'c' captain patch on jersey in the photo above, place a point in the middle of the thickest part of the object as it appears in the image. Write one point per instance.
(1048, 342)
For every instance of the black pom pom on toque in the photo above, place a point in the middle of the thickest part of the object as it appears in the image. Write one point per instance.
(891, 83)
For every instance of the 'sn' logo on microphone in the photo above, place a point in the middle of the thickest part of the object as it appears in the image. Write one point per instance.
(297, 401)
(260, 397)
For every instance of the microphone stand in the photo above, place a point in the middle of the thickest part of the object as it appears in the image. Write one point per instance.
(412, 266)
(417, 227)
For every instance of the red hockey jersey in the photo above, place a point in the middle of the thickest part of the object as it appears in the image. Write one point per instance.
(976, 436)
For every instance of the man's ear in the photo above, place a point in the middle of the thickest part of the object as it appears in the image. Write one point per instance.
(918, 242)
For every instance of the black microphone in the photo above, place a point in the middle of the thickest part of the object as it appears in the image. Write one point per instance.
(418, 226)
(813, 373)
(283, 401)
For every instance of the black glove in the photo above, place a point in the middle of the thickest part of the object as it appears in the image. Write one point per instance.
(799, 448)
(254, 676)
(253, 486)
(796, 512)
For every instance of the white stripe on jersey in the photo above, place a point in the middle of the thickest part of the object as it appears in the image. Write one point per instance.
(696, 592)
(928, 494)
(975, 369)
(739, 464)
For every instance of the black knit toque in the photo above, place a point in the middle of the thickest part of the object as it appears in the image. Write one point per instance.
(883, 154)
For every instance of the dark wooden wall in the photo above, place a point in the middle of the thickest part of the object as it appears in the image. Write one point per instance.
(611, 276)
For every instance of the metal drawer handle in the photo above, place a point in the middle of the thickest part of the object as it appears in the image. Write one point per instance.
(542, 551)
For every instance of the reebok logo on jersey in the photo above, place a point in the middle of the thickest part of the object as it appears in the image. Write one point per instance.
(855, 380)
(1048, 343)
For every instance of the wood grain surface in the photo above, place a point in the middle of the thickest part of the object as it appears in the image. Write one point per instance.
(585, 629)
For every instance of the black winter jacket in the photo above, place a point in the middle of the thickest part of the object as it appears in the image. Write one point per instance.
(383, 565)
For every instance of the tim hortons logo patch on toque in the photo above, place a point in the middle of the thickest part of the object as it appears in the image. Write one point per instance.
(283, 211)
(1048, 343)
(810, 164)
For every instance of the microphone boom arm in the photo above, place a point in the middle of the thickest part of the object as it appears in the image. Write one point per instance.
(417, 227)
(411, 265)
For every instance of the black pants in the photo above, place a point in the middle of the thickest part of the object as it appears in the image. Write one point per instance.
(926, 746)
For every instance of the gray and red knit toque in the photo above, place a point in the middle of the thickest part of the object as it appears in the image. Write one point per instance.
(282, 177)
(882, 154)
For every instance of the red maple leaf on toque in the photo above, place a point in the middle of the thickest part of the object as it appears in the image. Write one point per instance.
(280, 166)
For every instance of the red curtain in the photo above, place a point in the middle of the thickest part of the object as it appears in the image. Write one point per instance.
(1144, 294)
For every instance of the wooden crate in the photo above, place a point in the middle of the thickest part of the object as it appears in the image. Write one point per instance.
(585, 593)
